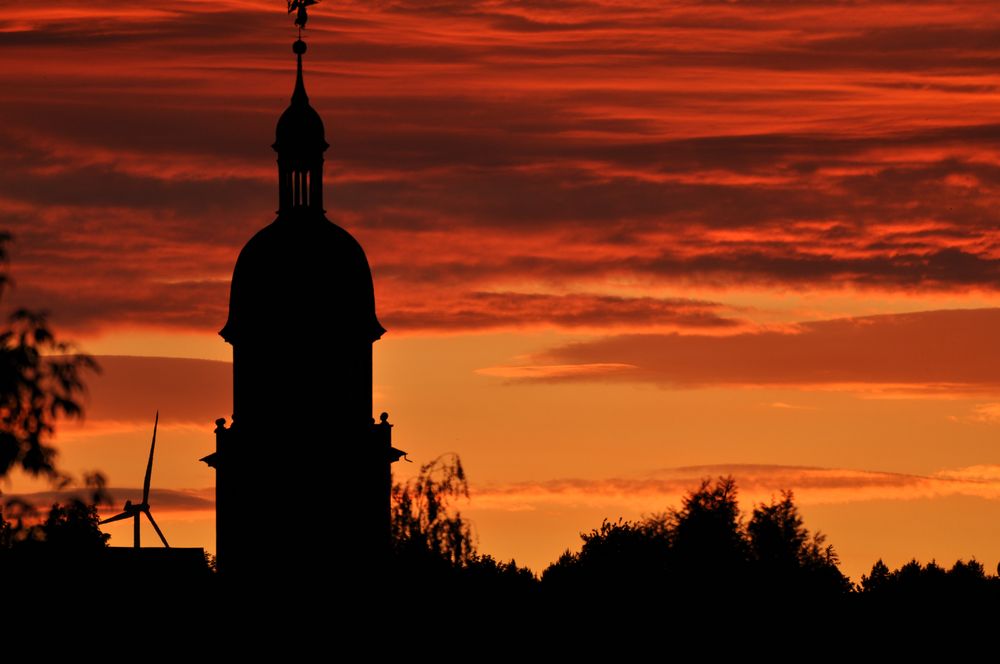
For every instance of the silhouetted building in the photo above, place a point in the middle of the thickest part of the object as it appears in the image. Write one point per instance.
(303, 470)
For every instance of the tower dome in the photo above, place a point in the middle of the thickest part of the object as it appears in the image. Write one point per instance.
(301, 275)
(302, 271)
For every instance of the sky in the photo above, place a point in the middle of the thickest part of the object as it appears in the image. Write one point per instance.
(619, 246)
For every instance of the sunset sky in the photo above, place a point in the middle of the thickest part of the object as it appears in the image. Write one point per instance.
(618, 245)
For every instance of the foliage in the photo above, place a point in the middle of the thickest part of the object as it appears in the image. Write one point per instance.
(707, 535)
(70, 527)
(434, 547)
(7, 533)
(618, 555)
(483, 573)
(787, 556)
(703, 549)
(778, 538)
(877, 578)
(45, 557)
(913, 581)
(210, 562)
(73, 527)
(41, 379)
(66, 528)
(424, 525)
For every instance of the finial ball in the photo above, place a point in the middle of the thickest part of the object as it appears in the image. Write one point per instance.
(299, 47)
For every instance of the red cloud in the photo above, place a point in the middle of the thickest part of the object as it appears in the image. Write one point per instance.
(558, 144)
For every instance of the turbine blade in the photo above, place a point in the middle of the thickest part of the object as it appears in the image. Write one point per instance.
(156, 528)
(117, 517)
(149, 466)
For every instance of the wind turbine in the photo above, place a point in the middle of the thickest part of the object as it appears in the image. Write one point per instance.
(134, 511)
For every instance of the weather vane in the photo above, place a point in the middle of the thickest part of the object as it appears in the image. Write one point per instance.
(301, 17)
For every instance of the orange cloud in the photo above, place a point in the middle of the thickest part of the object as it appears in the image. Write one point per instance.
(162, 501)
(924, 351)
(658, 491)
(185, 391)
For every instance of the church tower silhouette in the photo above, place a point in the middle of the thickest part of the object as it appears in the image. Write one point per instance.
(303, 471)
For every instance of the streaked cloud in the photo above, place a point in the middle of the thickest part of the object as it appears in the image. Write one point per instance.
(781, 405)
(663, 489)
(932, 351)
(599, 370)
(533, 150)
(650, 492)
(490, 311)
(987, 412)
(162, 501)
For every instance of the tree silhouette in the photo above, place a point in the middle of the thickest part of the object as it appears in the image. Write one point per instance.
(702, 550)
(930, 582)
(69, 528)
(73, 527)
(708, 545)
(64, 548)
(877, 579)
(698, 548)
(434, 547)
(619, 557)
(41, 379)
(786, 557)
(424, 523)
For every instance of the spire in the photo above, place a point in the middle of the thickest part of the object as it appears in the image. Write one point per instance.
(299, 96)
(300, 143)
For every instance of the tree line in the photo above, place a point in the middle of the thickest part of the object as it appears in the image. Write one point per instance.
(704, 548)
